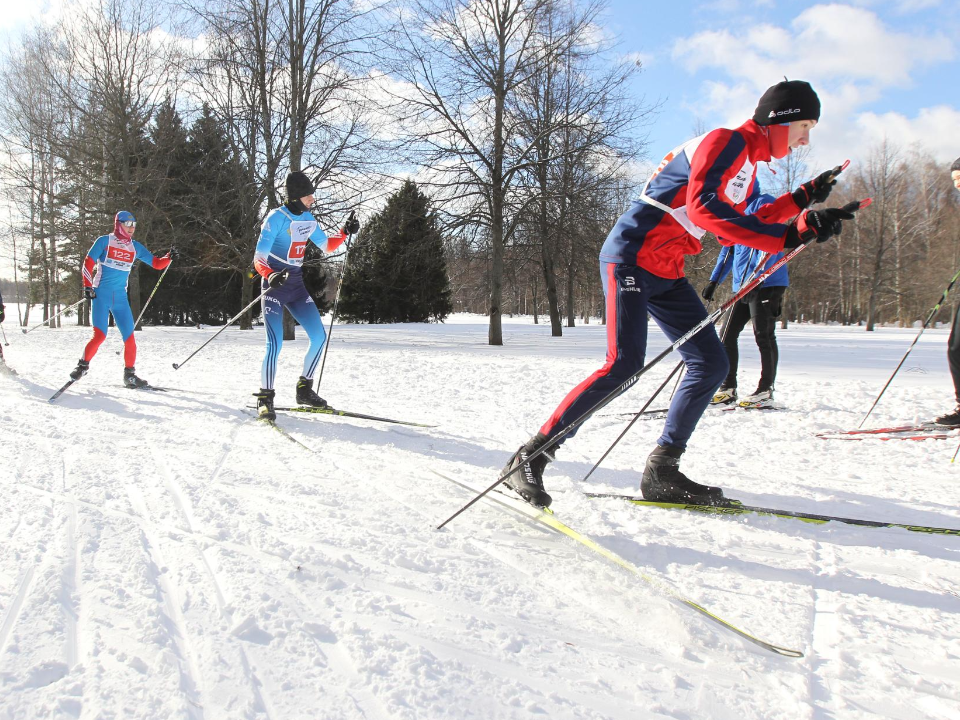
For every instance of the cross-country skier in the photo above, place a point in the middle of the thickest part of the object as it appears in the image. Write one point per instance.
(279, 260)
(3, 360)
(953, 344)
(762, 305)
(700, 189)
(106, 269)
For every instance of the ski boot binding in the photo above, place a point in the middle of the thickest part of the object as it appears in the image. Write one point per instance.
(306, 394)
(265, 409)
(131, 380)
(663, 482)
(80, 370)
(527, 482)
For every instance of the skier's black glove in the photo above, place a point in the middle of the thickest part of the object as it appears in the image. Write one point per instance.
(352, 227)
(816, 190)
(276, 279)
(89, 292)
(708, 290)
(819, 224)
(3, 313)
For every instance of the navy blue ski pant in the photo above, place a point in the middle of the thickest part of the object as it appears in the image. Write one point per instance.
(631, 292)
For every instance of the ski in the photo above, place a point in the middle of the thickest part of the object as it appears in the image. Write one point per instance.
(548, 519)
(894, 436)
(881, 431)
(287, 435)
(737, 508)
(346, 413)
(661, 413)
(63, 389)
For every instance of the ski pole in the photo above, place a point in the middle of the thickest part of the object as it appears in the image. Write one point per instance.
(4, 335)
(231, 321)
(933, 313)
(630, 381)
(336, 301)
(636, 417)
(147, 304)
(26, 332)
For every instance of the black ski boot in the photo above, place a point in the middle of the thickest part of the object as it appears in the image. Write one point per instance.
(950, 419)
(663, 482)
(306, 395)
(80, 370)
(131, 380)
(265, 409)
(528, 481)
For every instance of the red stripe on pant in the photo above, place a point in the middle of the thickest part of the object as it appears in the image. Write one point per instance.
(573, 395)
(91, 349)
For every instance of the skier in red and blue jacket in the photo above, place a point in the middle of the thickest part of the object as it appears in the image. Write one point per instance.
(700, 190)
(278, 259)
(106, 269)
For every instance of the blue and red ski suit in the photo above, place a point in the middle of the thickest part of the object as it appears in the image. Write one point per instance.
(700, 190)
(107, 268)
(282, 246)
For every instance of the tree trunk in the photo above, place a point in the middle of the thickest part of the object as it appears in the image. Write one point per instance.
(246, 297)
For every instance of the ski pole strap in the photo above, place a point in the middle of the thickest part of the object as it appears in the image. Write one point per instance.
(231, 321)
(51, 319)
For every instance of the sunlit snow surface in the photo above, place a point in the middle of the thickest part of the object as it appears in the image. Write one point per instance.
(164, 556)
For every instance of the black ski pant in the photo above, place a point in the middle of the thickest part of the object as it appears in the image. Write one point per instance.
(763, 306)
(953, 353)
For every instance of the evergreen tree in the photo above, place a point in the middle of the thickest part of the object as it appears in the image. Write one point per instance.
(397, 270)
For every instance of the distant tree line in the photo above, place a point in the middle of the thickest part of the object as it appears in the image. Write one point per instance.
(513, 120)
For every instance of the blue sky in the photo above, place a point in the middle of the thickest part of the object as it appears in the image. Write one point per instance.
(883, 68)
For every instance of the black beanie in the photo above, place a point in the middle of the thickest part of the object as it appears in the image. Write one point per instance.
(955, 166)
(298, 185)
(787, 101)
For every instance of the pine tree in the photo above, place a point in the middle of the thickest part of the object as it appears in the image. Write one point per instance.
(397, 270)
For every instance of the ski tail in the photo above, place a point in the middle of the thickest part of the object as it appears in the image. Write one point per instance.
(62, 390)
(548, 519)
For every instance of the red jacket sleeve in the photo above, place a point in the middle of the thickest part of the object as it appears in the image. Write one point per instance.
(88, 265)
(714, 172)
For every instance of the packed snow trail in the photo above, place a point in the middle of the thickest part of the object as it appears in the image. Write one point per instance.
(166, 556)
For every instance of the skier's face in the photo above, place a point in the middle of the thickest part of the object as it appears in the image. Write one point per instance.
(956, 178)
(307, 201)
(800, 133)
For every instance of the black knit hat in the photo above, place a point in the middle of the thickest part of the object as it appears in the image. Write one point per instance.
(955, 166)
(298, 185)
(787, 101)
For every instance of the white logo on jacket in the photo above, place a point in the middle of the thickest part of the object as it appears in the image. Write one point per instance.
(738, 188)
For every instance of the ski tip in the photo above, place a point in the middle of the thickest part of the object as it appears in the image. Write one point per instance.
(846, 164)
(865, 203)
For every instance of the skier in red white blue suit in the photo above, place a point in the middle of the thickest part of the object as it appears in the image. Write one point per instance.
(278, 259)
(106, 269)
(700, 190)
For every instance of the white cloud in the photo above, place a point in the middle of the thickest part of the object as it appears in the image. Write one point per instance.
(849, 56)
(935, 128)
(825, 42)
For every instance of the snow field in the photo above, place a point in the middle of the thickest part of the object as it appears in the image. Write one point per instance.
(164, 556)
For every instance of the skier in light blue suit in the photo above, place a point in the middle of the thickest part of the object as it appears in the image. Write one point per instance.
(278, 259)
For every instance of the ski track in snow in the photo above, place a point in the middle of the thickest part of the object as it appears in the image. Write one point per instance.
(164, 556)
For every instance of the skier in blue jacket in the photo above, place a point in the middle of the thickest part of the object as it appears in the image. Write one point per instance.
(106, 288)
(278, 259)
(763, 305)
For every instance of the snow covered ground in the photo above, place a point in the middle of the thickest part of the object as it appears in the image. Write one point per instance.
(164, 556)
